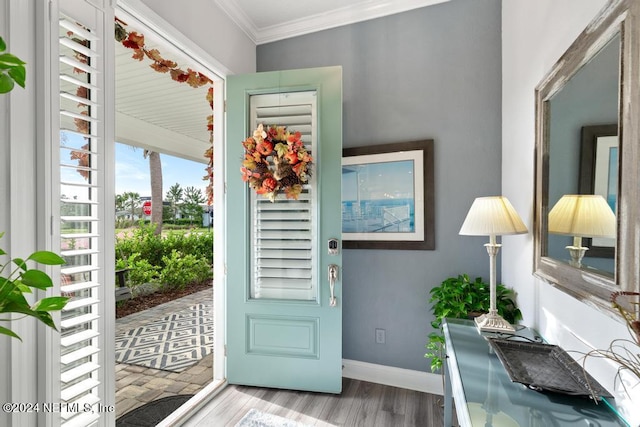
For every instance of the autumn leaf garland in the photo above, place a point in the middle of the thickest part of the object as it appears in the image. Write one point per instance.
(135, 41)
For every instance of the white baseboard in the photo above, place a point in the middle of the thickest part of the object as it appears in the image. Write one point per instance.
(396, 377)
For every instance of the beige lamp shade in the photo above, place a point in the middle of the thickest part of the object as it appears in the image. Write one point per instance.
(492, 216)
(585, 215)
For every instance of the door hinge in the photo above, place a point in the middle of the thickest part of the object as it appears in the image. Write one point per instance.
(224, 106)
(225, 350)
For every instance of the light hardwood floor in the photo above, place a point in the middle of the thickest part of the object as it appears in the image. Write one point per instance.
(360, 404)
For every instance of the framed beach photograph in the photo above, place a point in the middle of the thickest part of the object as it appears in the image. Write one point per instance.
(599, 175)
(388, 196)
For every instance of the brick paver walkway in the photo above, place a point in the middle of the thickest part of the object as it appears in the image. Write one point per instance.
(137, 385)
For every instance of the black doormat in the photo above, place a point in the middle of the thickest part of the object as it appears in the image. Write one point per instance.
(150, 414)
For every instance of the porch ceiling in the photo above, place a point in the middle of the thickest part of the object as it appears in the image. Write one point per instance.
(157, 113)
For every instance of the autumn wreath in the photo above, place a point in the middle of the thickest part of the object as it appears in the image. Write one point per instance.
(275, 161)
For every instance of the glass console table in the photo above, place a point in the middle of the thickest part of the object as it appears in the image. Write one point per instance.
(485, 396)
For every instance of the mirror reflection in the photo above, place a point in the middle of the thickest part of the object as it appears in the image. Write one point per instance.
(583, 159)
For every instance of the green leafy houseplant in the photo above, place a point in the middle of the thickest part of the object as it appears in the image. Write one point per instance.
(459, 297)
(12, 70)
(17, 279)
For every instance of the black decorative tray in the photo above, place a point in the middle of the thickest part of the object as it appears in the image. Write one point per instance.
(545, 367)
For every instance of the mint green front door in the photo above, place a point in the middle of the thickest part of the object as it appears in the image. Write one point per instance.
(283, 331)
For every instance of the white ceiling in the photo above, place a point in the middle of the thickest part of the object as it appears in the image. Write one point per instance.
(270, 20)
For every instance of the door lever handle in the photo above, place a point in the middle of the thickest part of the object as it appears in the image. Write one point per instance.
(333, 277)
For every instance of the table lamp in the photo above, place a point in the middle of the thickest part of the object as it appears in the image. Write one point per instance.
(581, 215)
(492, 216)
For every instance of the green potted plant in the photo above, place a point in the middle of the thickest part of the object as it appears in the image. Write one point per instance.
(12, 70)
(461, 298)
(16, 278)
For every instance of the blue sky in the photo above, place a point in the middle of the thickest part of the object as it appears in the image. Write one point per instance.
(132, 172)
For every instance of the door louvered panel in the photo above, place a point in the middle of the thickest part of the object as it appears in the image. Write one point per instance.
(80, 157)
(283, 231)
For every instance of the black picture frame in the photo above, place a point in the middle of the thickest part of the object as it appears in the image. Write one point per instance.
(591, 138)
(420, 233)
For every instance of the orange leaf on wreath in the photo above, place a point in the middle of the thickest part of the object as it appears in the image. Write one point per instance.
(299, 168)
(293, 192)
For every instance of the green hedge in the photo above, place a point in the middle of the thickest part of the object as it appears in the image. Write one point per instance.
(174, 261)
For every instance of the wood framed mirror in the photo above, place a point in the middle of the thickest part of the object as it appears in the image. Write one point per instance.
(591, 88)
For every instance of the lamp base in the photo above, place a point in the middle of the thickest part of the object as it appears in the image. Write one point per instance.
(493, 322)
(577, 253)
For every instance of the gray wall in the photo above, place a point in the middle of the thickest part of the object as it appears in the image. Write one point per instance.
(434, 73)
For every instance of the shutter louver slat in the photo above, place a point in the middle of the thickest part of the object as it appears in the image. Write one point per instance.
(75, 28)
(78, 116)
(77, 47)
(77, 372)
(80, 134)
(79, 320)
(79, 65)
(78, 99)
(74, 356)
(79, 235)
(283, 253)
(78, 287)
(77, 252)
(78, 388)
(70, 340)
(84, 302)
(78, 218)
(79, 269)
(87, 399)
(77, 82)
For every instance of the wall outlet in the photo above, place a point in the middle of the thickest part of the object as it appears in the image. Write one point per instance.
(380, 336)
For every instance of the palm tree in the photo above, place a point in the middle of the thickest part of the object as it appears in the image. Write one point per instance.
(155, 173)
(132, 202)
(193, 199)
(174, 196)
(121, 202)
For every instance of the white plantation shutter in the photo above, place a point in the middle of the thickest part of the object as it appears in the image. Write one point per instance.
(283, 232)
(84, 376)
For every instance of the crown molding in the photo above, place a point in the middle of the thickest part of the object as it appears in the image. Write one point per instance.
(351, 14)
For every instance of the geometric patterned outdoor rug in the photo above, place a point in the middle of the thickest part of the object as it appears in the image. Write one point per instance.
(173, 343)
